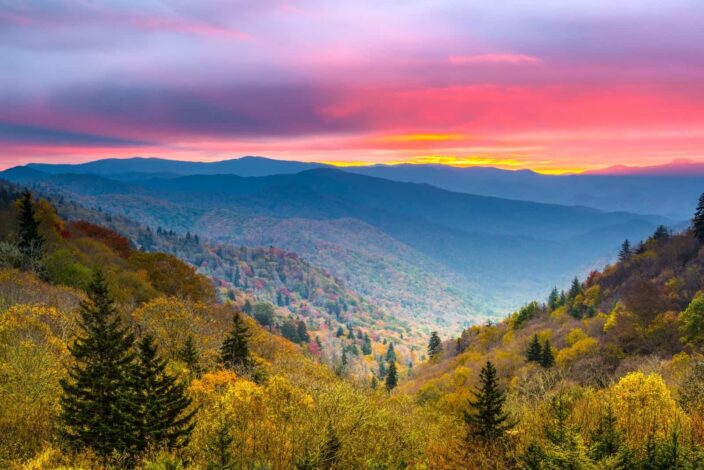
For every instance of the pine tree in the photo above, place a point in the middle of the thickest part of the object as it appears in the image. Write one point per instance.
(434, 345)
(607, 443)
(219, 447)
(247, 308)
(390, 353)
(303, 331)
(698, 220)
(547, 357)
(575, 289)
(553, 299)
(30, 242)
(160, 401)
(190, 355)
(487, 418)
(340, 332)
(96, 401)
(625, 251)
(234, 352)
(535, 351)
(391, 376)
(382, 370)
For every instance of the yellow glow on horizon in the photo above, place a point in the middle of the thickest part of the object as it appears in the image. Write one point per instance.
(422, 137)
(543, 167)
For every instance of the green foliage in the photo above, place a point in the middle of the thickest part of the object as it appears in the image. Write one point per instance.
(391, 376)
(220, 444)
(62, 268)
(625, 251)
(525, 313)
(160, 402)
(190, 355)
(486, 417)
(30, 242)
(692, 320)
(535, 351)
(390, 353)
(547, 358)
(698, 220)
(234, 352)
(434, 345)
(97, 399)
(263, 312)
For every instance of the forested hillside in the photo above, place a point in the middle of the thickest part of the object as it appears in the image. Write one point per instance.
(605, 374)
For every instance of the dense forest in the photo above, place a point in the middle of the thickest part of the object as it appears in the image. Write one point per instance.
(115, 354)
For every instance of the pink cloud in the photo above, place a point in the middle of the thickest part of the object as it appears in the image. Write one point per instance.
(511, 59)
(188, 27)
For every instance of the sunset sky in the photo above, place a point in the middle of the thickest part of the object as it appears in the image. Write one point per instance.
(550, 85)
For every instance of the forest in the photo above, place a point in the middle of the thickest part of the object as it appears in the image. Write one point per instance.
(116, 355)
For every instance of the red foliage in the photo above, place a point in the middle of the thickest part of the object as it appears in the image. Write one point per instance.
(112, 239)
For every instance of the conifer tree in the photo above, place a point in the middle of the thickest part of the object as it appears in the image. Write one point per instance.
(390, 353)
(487, 418)
(553, 299)
(234, 352)
(391, 376)
(698, 220)
(160, 401)
(434, 345)
(97, 397)
(219, 447)
(30, 242)
(303, 331)
(190, 355)
(382, 370)
(575, 289)
(625, 251)
(535, 350)
(607, 442)
(340, 332)
(547, 357)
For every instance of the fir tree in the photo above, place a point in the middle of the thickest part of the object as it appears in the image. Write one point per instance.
(247, 308)
(340, 332)
(575, 289)
(234, 352)
(160, 401)
(97, 411)
(607, 443)
(625, 251)
(390, 353)
(547, 357)
(553, 299)
(535, 350)
(303, 331)
(30, 242)
(189, 354)
(382, 370)
(391, 376)
(219, 447)
(434, 345)
(487, 418)
(698, 220)
(661, 233)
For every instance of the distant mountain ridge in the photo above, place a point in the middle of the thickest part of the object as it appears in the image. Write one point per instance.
(413, 248)
(668, 190)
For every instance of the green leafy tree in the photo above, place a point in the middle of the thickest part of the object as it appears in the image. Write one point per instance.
(434, 345)
(486, 417)
(97, 409)
(234, 352)
(263, 312)
(391, 376)
(160, 402)
(692, 320)
(535, 350)
(547, 357)
(698, 220)
(189, 354)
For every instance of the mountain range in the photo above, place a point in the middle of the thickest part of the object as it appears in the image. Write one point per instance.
(414, 249)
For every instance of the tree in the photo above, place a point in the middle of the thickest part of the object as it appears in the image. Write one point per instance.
(97, 409)
(607, 442)
(547, 357)
(535, 350)
(390, 353)
(160, 402)
(263, 312)
(698, 220)
(340, 332)
(303, 331)
(234, 352)
(625, 251)
(30, 241)
(486, 418)
(190, 355)
(220, 445)
(434, 345)
(692, 320)
(553, 299)
(391, 376)
(661, 233)
(575, 289)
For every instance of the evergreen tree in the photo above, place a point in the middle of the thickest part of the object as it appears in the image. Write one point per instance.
(698, 220)
(434, 345)
(189, 354)
(487, 418)
(547, 357)
(625, 251)
(661, 233)
(303, 331)
(535, 351)
(219, 447)
(97, 410)
(340, 332)
(367, 345)
(553, 299)
(575, 289)
(607, 443)
(160, 401)
(30, 242)
(234, 352)
(247, 308)
(382, 370)
(390, 353)
(391, 376)
(350, 333)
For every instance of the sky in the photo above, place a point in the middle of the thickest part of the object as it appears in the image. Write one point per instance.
(555, 86)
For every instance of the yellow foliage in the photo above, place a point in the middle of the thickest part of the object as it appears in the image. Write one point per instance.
(575, 335)
(581, 348)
